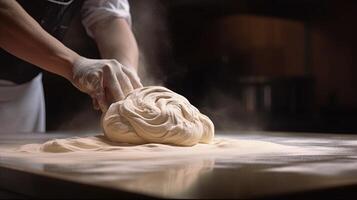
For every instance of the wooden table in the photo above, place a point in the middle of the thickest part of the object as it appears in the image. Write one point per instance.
(331, 171)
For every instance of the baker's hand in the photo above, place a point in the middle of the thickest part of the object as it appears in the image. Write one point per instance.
(106, 81)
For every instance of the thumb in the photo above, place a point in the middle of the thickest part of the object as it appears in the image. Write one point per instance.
(100, 98)
(95, 104)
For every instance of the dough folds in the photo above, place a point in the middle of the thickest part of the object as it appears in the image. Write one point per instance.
(156, 114)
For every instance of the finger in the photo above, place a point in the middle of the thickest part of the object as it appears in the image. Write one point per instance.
(95, 104)
(124, 81)
(109, 97)
(100, 98)
(97, 93)
(111, 82)
(134, 78)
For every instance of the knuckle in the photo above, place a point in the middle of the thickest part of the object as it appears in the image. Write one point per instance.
(107, 67)
(114, 62)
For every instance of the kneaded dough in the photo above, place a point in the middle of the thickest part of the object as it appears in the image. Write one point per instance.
(156, 114)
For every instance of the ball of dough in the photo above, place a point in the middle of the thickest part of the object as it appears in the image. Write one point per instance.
(156, 115)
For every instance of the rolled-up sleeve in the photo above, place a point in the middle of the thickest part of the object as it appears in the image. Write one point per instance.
(95, 10)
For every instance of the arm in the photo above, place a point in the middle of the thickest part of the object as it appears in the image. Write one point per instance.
(23, 37)
(115, 40)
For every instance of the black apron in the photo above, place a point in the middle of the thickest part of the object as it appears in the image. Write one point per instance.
(55, 19)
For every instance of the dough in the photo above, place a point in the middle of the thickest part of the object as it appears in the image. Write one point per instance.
(156, 115)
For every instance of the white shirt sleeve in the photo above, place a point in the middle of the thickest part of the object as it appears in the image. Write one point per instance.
(95, 10)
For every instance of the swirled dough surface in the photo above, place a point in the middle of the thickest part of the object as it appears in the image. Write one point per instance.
(156, 114)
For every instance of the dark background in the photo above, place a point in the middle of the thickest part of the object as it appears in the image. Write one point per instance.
(253, 64)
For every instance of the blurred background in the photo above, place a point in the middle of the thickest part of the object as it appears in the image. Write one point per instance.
(248, 64)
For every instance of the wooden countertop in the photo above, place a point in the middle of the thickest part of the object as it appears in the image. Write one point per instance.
(327, 167)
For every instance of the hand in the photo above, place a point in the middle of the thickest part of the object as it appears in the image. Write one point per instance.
(106, 81)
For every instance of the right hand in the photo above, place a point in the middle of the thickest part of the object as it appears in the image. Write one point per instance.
(106, 81)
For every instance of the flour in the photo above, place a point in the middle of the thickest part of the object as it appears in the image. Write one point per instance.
(100, 143)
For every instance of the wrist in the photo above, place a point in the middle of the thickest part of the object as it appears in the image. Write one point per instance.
(69, 62)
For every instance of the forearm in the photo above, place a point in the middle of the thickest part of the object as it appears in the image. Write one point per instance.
(115, 40)
(23, 37)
